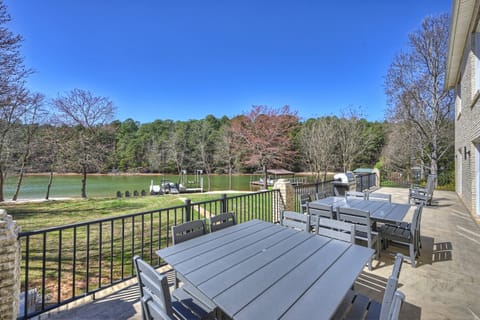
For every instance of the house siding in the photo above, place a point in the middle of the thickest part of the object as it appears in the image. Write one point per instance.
(467, 126)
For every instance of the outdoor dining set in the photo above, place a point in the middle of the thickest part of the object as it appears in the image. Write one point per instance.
(304, 267)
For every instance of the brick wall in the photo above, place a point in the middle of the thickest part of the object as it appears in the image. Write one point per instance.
(287, 193)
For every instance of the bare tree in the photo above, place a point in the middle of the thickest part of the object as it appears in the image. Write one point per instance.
(265, 136)
(226, 154)
(13, 94)
(26, 136)
(204, 137)
(318, 142)
(351, 136)
(90, 116)
(177, 145)
(414, 86)
(400, 148)
(50, 152)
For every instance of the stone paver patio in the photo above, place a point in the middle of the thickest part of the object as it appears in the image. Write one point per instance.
(444, 285)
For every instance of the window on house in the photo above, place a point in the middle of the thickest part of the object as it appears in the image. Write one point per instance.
(476, 51)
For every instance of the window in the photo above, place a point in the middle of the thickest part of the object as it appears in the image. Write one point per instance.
(476, 52)
(458, 99)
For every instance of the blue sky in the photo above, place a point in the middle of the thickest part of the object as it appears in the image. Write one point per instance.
(180, 60)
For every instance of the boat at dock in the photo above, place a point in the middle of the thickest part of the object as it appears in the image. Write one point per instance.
(276, 174)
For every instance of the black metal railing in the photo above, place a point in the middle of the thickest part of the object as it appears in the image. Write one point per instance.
(326, 188)
(366, 181)
(321, 188)
(69, 262)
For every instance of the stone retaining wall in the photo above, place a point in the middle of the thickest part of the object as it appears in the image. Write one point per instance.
(9, 267)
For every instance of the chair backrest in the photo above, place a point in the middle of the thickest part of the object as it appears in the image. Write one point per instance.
(154, 293)
(391, 303)
(305, 198)
(379, 196)
(415, 225)
(320, 195)
(320, 210)
(336, 229)
(394, 312)
(222, 221)
(188, 230)
(296, 220)
(388, 297)
(355, 194)
(397, 265)
(360, 218)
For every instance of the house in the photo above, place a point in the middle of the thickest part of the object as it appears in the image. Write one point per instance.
(463, 74)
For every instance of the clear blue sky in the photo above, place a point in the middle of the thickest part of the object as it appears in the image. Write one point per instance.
(180, 60)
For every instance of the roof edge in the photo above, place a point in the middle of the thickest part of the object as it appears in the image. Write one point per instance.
(462, 20)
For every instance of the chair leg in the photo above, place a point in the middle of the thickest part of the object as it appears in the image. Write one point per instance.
(144, 308)
(175, 280)
(412, 254)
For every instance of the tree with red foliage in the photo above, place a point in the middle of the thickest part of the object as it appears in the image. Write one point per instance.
(264, 137)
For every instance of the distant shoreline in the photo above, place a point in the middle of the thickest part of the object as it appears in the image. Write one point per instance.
(149, 174)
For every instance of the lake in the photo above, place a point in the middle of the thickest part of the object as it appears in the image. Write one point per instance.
(35, 186)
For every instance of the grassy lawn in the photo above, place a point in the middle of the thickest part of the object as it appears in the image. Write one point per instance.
(38, 215)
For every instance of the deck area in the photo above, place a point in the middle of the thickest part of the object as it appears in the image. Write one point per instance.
(444, 285)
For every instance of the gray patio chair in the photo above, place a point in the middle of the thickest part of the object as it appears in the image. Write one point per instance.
(408, 225)
(320, 210)
(422, 195)
(358, 306)
(222, 220)
(409, 236)
(316, 210)
(355, 194)
(156, 301)
(187, 231)
(430, 179)
(336, 229)
(363, 228)
(379, 196)
(304, 199)
(320, 195)
(296, 220)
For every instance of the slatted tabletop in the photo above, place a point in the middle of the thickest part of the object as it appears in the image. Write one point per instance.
(260, 270)
(382, 211)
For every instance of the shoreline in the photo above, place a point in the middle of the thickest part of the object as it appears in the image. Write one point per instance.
(38, 200)
(303, 173)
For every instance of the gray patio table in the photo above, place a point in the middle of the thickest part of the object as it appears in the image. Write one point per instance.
(381, 211)
(261, 270)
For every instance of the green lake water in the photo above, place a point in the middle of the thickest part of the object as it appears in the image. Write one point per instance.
(35, 187)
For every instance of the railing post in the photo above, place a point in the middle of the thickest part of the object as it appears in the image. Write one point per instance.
(223, 203)
(188, 210)
(10, 265)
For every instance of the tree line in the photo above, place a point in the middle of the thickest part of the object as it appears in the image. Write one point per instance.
(75, 136)
(76, 131)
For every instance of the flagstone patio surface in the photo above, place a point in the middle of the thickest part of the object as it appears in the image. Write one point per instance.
(444, 285)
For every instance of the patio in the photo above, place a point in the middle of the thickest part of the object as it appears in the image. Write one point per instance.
(444, 285)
